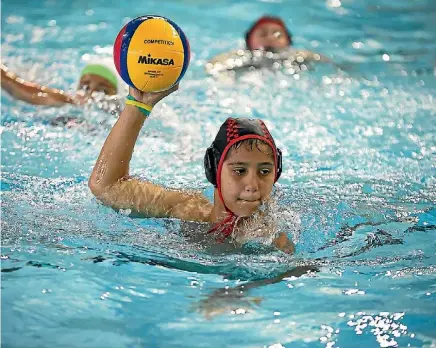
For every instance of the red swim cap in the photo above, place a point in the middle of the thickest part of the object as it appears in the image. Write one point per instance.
(263, 20)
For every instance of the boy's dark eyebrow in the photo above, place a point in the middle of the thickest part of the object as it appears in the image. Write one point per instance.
(245, 164)
(238, 163)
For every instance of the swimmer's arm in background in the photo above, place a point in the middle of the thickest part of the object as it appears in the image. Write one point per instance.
(223, 56)
(312, 56)
(283, 243)
(30, 92)
(111, 183)
(218, 62)
(305, 54)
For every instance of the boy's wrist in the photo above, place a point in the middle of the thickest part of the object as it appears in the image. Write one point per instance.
(142, 97)
(134, 111)
(144, 108)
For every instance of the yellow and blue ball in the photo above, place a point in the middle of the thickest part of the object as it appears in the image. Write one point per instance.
(151, 53)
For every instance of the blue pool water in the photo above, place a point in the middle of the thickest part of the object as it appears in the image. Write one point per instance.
(359, 177)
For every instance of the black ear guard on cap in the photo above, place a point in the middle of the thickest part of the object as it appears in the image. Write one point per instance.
(212, 157)
(211, 160)
(279, 163)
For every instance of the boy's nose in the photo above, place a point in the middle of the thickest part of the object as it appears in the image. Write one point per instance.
(92, 89)
(251, 182)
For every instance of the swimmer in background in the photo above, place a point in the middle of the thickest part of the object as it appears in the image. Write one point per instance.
(268, 44)
(243, 163)
(95, 78)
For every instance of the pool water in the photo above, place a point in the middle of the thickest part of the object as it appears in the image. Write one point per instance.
(358, 185)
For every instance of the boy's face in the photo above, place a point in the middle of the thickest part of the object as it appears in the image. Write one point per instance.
(268, 36)
(94, 83)
(247, 178)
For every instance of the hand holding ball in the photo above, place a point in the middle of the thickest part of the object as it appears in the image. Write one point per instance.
(151, 53)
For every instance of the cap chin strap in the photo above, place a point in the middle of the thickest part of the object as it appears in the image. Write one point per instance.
(225, 228)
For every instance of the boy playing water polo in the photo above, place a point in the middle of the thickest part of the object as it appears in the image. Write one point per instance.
(242, 163)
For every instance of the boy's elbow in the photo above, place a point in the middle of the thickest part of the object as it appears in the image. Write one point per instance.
(96, 189)
(106, 193)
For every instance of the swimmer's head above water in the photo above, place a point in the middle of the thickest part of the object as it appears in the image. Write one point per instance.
(268, 45)
(269, 34)
(243, 163)
(98, 78)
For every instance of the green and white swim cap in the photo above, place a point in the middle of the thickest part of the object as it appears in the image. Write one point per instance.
(102, 71)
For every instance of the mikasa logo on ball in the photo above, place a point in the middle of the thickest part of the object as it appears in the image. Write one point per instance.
(156, 61)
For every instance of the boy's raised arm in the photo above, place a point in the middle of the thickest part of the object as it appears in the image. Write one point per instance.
(111, 183)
